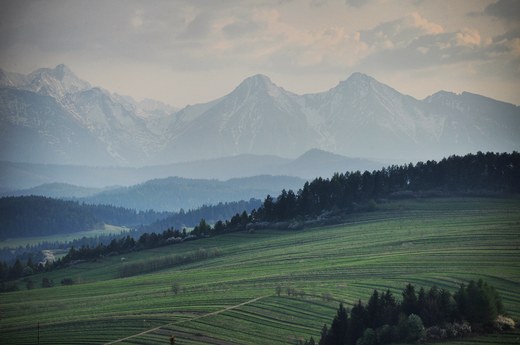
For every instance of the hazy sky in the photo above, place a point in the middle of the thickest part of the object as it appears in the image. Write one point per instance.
(186, 52)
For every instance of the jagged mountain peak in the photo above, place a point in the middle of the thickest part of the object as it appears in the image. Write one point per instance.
(361, 81)
(56, 82)
(440, 95)
(359, 117)
(259, 83)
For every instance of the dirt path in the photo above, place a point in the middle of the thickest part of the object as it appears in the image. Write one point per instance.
(187, 320)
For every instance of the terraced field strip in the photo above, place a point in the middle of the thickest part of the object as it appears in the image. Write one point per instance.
(187, 320)
(439, 241)
(273, 320)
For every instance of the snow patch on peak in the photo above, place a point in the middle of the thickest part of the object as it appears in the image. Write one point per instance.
(358, 76)
(55, 82)
(260, 83)
(443, 97)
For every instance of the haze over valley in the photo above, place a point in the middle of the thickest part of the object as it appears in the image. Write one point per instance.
(332, 172)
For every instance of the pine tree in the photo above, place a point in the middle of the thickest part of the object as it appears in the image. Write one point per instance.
(409, 303)
(339, 327)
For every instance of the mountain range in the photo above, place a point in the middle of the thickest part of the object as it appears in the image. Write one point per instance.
(169, 194)
(51, 116)
(29, 176)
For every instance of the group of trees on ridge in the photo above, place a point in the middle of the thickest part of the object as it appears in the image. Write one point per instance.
(433, 314)
(346, 192)
(490, 172)
(26, 216)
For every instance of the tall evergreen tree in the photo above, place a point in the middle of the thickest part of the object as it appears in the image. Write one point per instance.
(339, 327)
(409, 302)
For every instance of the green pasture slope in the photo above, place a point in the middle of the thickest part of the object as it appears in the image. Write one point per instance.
(230, 298)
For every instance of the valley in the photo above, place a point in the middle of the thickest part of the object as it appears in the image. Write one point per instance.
(231, 298)
(260, 172)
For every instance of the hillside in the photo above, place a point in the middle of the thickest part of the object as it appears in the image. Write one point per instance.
(172, 194)
(230, 298)
(17, 177)
(38, 216)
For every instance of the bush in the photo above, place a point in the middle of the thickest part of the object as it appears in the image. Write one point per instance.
(326, 296)
(278, 290)
(29, 284)
(176, 287)
(67, 281)
(503, 323)
(369, 338)
(386, 334)
(27, 271)
(47, 283)
(8, 287)
(456, 330)
(411, 328)
(436, 333)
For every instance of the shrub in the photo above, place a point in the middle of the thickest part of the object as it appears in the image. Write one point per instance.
(8, 287)
(386, 334)
(47, 283)
(326, 296)
(67, 281)
(27, 271)
(29, 284)
(176, 287)
(436, 333)
(503, 323)
(369, 338)
(455, 330)
(411, 328)
(278, 290)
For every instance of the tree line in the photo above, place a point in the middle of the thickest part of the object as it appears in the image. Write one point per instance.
(344, 192)
(472, 173)
(26, 216)
(432, 314)
(210, 213)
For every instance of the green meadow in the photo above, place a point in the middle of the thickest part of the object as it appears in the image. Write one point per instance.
(231, 298)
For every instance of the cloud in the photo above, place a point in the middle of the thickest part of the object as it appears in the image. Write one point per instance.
(414, 43)
(508, 10)
(240, 27)
(234, 37)
(318, 3)
(357, 3)
(399, 33)
(199, 27)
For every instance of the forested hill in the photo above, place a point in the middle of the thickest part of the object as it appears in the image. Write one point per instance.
(37, 216)
(471, 174)
(211, 213)
(27, 216)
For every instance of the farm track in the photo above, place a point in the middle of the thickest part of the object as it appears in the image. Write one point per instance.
(187, 320)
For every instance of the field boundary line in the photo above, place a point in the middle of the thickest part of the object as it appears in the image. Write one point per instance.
(189, 320)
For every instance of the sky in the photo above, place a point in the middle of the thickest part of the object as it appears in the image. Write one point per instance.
(187, 52)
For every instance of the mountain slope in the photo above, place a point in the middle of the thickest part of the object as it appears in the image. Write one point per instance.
(360, 117)
(52, 113)
(35, 128)
(257, 117)
(470, 120)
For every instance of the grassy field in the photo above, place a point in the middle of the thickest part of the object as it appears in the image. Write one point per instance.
(230, 299)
